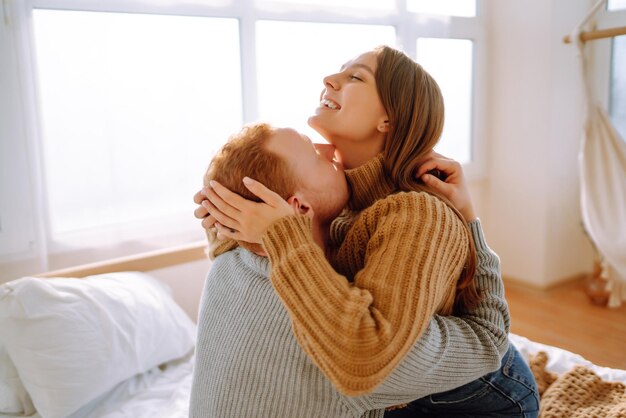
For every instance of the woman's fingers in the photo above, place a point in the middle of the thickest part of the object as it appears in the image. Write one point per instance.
(225, 232)
(265, 194)
(232, 199)
(219, 216)
(425, 167)
(449, 167)
(437, 184)
(222, 206)
(199, 197)
(208, 222)
(454, 187)
(238, 218)
(201, 212)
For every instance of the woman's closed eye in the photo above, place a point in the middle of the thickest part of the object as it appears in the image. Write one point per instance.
(355, 77)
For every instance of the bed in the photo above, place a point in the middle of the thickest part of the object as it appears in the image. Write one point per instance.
(142, 383)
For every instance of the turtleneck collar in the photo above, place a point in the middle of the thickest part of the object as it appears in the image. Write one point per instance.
(258, 264)
(368, 183)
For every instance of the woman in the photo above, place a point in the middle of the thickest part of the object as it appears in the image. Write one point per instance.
(403, 251)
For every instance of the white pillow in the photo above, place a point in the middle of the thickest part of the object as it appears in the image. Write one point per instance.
(72, 340)
(14, 399)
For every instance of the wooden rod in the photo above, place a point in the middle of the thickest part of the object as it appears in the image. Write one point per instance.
(598, 34)
(147, 261)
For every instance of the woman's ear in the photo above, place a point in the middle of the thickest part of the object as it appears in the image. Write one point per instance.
(300, 206)
(383, 126)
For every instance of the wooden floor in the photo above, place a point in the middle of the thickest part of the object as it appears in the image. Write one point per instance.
(564, 317)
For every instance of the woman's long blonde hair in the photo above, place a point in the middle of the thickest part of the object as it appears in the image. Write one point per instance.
(415, 108)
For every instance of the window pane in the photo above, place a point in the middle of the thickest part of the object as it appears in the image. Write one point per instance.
(133, 108)
(618, 85)
(617, 4)
(290, 68)
(449, 61)
(363, 6)
(464, 8)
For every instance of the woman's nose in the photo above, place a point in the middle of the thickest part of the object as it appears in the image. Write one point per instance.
(326, 150)
(330, 81)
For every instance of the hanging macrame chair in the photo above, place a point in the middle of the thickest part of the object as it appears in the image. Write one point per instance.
(602, 165)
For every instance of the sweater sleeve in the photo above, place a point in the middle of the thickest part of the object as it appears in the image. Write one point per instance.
(357, 332)
(454, 350)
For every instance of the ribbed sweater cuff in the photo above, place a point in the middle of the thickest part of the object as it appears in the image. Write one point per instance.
(285, 234)
(487, 262)
(476, 229)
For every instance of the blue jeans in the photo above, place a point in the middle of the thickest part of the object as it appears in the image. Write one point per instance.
(510, 391)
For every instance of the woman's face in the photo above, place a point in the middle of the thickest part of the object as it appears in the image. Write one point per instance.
(350, 114)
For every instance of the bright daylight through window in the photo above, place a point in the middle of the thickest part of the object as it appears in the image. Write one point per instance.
(133, 98)
(131, 117)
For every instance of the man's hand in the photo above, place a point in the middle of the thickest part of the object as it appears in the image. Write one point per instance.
(454, 187)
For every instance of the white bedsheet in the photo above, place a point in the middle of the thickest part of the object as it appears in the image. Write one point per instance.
(165, 393)
(154, 394)
(560, 361)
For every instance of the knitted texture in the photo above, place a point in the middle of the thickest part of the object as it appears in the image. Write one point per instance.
(249, 364)
(578, 393)
(397, 266)
(543, 377)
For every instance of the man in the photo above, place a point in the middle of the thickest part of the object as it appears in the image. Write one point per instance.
(303, 173)
(249, 364)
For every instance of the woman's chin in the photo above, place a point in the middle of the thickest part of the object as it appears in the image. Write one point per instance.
(312, 120)
(315, 123)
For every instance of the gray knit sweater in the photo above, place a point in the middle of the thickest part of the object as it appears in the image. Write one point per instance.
(248, 363)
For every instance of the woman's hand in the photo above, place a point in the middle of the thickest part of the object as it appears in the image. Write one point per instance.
(236, 217)
(453, 187)
(201, 211)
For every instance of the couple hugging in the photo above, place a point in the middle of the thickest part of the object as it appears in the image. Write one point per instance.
(364, 293)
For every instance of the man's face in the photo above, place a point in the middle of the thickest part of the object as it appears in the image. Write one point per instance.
(320, 178)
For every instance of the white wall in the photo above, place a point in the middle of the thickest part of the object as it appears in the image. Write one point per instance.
(531, 208)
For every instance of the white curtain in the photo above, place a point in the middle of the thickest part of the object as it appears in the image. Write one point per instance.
(602, 163)
(603, 198)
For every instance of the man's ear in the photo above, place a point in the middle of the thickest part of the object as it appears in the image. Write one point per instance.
(300, 206)
(383, 125)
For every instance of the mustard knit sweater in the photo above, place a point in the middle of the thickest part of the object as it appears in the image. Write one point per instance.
(397, 265)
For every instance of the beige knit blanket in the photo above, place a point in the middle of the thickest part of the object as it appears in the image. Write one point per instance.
(578, 393)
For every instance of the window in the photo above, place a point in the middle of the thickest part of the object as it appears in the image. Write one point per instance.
(609, 65)
(618, 85)
(129, 100)
(616, 4)
(358, 7)
(290, 83)
(450, 62)
(466, 8)
(138, 113)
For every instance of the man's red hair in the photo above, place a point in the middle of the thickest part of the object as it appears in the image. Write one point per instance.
(246, 154)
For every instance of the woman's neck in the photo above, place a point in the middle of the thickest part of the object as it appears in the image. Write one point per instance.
(355, 154)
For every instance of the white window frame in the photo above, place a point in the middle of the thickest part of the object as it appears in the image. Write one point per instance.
(18, 15)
